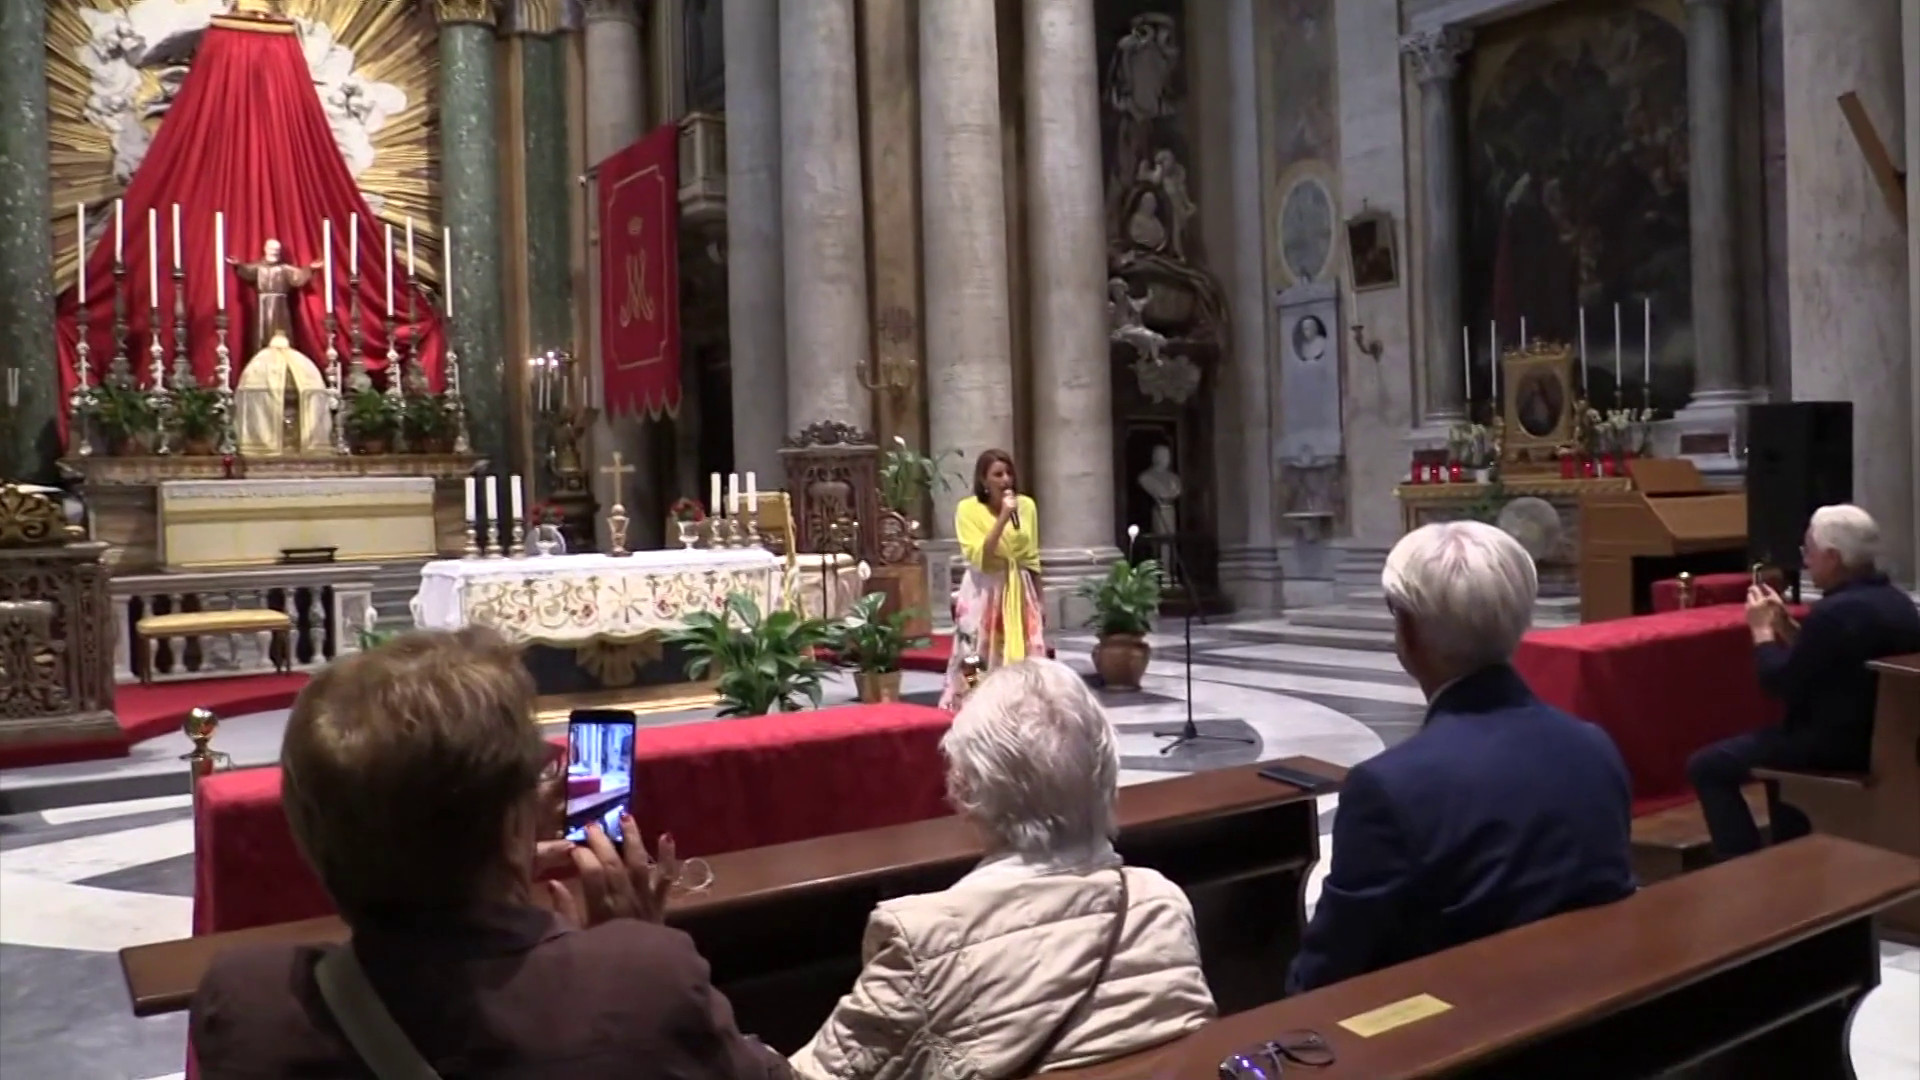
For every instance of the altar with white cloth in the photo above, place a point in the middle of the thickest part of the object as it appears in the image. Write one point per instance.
(593, 623)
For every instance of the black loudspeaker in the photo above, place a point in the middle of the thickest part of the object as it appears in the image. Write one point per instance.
(1799, 459)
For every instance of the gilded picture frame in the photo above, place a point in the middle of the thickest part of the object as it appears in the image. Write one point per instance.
(1540, 405)
(1372, 256)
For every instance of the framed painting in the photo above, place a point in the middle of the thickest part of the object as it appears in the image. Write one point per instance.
(1371, 254)
(1540, 405)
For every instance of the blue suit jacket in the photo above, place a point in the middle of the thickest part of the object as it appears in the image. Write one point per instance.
(1823, 678)
(1501, 811)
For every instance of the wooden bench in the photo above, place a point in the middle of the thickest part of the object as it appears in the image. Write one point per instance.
(1675, 841)
(194, 624)
(1752, 968)
(782, 926)
(1881, 806)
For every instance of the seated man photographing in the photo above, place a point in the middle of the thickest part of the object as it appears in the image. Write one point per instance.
(1503, 810)
(1818, 670)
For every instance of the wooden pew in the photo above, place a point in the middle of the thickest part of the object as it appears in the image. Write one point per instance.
(782, 926)
(1748, 969)
(1881, 806)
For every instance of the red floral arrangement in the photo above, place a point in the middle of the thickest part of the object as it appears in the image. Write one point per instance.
(684, 509)
(545, 513)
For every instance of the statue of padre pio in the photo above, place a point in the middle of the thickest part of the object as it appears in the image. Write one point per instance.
(273, 281)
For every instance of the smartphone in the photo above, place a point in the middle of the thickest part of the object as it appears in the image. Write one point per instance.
(1308, 782)
(599, 771)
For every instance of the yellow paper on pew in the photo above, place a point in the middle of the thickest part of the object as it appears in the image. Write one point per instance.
(1399, 1014)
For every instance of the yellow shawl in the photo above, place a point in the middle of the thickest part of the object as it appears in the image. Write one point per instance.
(1019, 548)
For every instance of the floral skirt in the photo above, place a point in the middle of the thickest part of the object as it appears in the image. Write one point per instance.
(981, 610)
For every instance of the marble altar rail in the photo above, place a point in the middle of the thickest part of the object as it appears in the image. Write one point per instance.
(328, 605)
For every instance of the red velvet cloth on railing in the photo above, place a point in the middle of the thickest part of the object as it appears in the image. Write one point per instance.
(247, 136)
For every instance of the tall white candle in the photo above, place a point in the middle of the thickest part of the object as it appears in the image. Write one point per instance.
(1523, 333)
(1616, 354)
(1646, 346)
(80, 245)
(713, 496)
(446, 280)
(353, 245)
(471, 484)
(176, 236)
(1583, 350)
(326, 257)
(753, 495)
(513, 494)
(733, 493)
(386, 269)
(1493, 359)
(153, 261)
(119, 231)
(220, 261)
(493, 498)
(1466, 363)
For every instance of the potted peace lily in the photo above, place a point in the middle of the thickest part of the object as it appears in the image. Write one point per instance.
(1125, 603)
(871, 643)
(762, 662)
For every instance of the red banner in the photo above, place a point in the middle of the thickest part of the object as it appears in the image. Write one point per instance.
(640, 275)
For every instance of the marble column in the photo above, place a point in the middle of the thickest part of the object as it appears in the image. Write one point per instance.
(756, 287)
(823, 214)
(542, 26)
(964, 217)
(1718, 379)
(26, 245)
(614, 44)
(1435, 55)
(1066, 245)
(1250, 573)
(470, 199)
(1847, 267)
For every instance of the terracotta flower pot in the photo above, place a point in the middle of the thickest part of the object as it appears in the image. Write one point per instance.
(370, 446)
(877, 687)
(203, 447)
(1121, 660)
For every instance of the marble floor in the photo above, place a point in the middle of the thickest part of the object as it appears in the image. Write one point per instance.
(98, 856)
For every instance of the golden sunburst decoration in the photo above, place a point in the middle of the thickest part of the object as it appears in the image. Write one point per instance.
(391, 42)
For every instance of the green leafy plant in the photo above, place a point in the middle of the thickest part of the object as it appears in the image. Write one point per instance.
(124, 414)
(1486, 509)
(907, 476)
(371, 415)
(425, 420)
(196, 413)
(868, 641)
(1127, 600)
(764, 662)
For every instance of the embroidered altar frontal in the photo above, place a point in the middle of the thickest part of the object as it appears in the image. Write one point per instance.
(593, 624)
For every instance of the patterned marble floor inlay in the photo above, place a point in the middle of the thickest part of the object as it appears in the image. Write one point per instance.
(101, 857)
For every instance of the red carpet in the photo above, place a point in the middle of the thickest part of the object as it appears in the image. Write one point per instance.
(934, 657)
(147, 712)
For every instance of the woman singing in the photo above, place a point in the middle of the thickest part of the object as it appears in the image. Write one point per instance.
(996, 612)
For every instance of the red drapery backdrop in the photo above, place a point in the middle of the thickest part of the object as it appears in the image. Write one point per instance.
(640, 275)
(246, 136)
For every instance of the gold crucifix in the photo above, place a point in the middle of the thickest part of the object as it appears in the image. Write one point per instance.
(617, 515)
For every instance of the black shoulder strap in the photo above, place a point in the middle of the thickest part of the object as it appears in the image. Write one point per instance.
(1080, 1007)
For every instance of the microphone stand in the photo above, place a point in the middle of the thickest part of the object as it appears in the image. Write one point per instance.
(1189, 733)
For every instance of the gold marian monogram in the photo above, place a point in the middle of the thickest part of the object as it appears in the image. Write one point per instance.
(639, 301)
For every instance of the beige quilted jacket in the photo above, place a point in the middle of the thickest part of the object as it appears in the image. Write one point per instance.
(967, 984)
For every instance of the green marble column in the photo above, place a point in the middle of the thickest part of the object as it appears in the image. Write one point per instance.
(549, 193)
(26, 245)
(470, 196)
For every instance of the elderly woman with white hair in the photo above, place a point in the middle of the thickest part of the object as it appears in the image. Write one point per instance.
(1048, 955)
(1500, 811)
(1818, 670)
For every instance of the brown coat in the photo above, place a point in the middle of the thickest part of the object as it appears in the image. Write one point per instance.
(507, 994)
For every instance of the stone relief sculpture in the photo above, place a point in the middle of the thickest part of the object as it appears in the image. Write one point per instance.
(1125, 326)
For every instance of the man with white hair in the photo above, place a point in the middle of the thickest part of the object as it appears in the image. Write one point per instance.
(1818, 670)
(1501, 811)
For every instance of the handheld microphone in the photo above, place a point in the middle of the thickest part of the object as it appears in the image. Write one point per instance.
(1015, 516)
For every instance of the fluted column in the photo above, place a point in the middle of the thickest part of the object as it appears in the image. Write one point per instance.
(1710, 205)
(26, 242)
(1066, 246)
(470, 197)
(823, 213)
(1436, 63)
(963, 208)
(756, 286)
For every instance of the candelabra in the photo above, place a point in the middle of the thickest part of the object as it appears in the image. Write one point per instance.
(182, 367)
(121, 371)
(461, 444)
(157, 388)
(77, 407)
(223, 375)
(336, 385)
